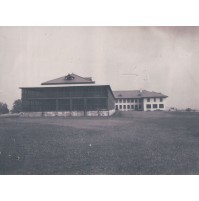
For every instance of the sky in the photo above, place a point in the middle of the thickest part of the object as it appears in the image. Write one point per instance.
(160, 59)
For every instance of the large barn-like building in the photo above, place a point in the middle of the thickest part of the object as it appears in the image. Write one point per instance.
(70, 95)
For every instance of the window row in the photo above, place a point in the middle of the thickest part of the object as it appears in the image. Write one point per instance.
(64, 92)
(154, 106)
(154, 99)
(65, 105)
(124, 107)
(129, 100)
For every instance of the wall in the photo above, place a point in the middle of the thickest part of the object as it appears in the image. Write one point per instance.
(111, 100)
(130, 104)
(111, 112)
(67, 98)
(154, 102)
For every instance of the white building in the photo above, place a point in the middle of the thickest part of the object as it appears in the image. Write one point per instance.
(140, 100)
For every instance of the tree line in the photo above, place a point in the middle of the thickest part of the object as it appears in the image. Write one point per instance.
(16, 108)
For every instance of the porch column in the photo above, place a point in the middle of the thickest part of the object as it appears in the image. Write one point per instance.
(57, 105)
(85, 107)
(71, 103)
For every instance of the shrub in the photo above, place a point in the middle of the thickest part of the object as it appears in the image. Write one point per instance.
(17, 106)
(188, 109)
(3, 108)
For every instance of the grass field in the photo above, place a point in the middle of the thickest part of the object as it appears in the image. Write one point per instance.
(126, 143)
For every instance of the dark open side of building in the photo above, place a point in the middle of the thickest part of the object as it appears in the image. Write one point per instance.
(70, 98)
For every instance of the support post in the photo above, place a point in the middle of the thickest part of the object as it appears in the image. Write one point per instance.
(57, 105)
(71, 103)
(85, 107)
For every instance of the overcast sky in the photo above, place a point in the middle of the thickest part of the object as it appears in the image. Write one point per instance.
(161, 59)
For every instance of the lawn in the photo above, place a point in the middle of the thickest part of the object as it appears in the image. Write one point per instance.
(126, 143)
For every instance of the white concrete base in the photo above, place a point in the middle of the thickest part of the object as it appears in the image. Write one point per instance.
(111, 112)
(68, 113)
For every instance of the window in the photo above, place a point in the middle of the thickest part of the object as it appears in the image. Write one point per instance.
(136, 107)
(120, 106)
(116, 100)
(124, 106)
(78, 104)
(124, 101)
(154, 99)
(35, 105)
(49, 105)
(128, 106)
(95, 104)
(64, 105)
(155, 106)
(148, 99)
(90, 91)
(128, 100)
(140, 107)
(132, 100)
(148, 106)
(136, 100)
(120, 100)
(69, 77)
(161, 99)
(161, 105)
(132, 106)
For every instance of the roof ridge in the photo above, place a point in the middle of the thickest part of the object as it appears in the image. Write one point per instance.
(78, 75)
(127, 90)
(131, 90)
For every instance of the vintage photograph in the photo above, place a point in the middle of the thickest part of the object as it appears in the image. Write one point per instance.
(114, 100)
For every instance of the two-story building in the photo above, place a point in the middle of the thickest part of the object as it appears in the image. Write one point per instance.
(139, 100)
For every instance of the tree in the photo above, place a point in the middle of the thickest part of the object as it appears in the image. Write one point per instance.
(188, 110)
(17, 106)
(3, 108)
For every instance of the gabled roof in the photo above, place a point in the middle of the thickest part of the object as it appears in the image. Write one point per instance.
(138, 94)
(70, 79)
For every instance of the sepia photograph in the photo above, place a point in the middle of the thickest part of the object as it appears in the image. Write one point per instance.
(114, 100)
